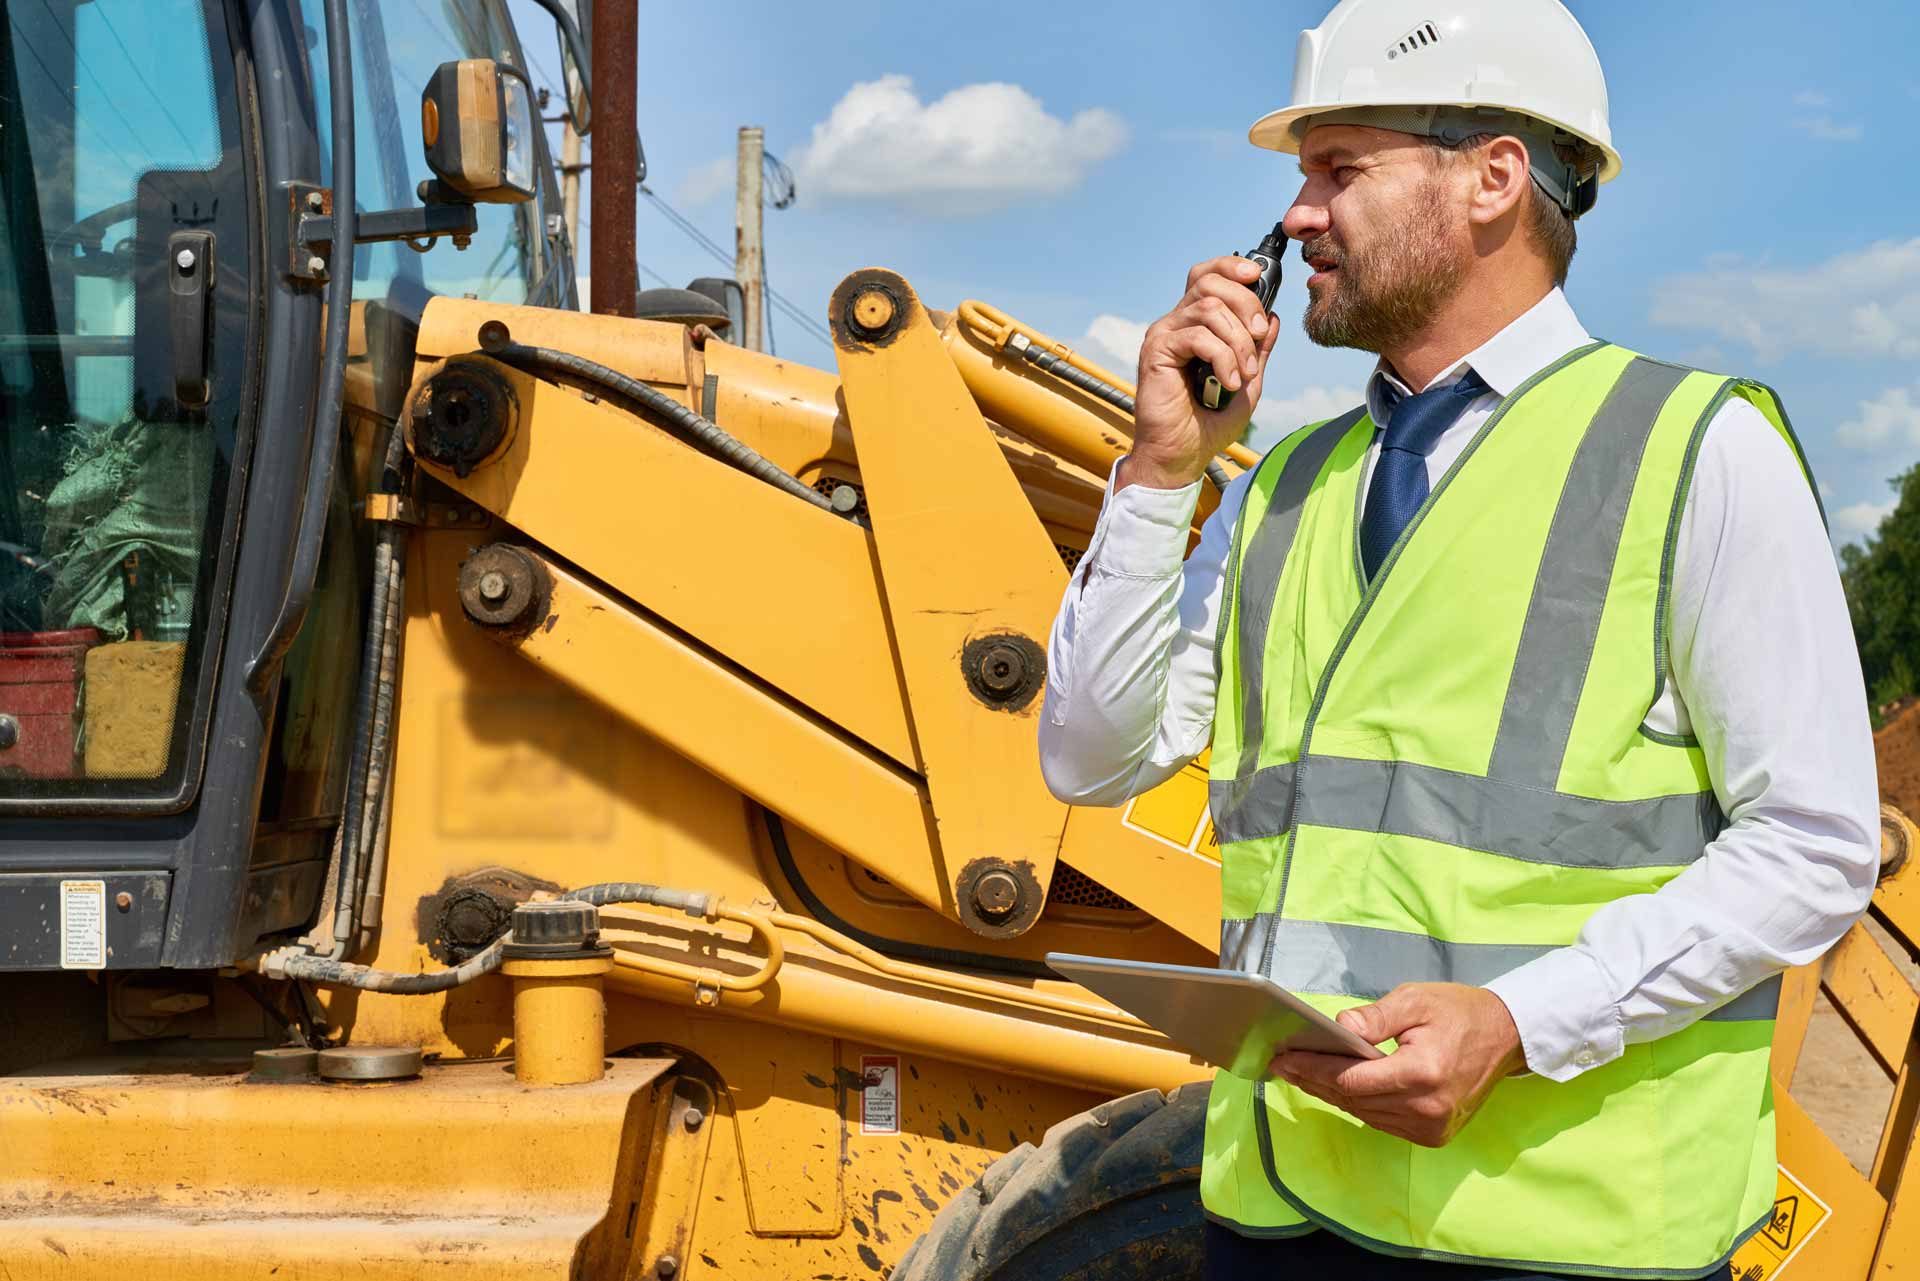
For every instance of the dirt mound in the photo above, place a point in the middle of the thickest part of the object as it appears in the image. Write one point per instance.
(1897, 748)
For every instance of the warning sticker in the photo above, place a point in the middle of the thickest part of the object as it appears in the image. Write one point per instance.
(1175, 813)
(879, 1094)
(83, 925)
(1797, 1215)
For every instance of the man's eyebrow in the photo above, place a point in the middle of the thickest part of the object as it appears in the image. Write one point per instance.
(1330, 156)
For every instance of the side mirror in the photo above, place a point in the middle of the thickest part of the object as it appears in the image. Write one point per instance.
(571, 18)
(476, 120)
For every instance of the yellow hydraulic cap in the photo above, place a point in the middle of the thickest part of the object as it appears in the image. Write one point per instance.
(556, 961)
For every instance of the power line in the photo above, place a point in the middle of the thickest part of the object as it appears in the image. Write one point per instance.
(813, 327)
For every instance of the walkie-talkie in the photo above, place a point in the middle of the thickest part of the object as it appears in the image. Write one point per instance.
(1206, 386)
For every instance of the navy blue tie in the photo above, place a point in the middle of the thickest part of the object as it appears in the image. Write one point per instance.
(1399, 485)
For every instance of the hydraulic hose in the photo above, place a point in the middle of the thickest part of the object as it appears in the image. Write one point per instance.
(1048, 363)
(321, 969)
(310, 532)
(295, 963)
(362, 859)
(702, 432)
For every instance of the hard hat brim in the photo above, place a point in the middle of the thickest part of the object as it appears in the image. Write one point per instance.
(1277, 130)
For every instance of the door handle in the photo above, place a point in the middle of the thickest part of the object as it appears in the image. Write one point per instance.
(190, 313)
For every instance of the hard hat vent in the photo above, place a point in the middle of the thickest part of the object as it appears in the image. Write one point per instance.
(1415, 40)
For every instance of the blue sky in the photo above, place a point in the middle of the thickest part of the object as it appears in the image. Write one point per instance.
(1069, 167)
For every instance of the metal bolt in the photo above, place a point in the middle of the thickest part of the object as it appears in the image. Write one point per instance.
(844, 498)
(665, 1266)
(996, 893)
(1004, 669)
(873, 309)
(317, 265)
(316, 202)
(185, 260)
(123, 901)
(493, 587)
(9, 732)
(694, 1118)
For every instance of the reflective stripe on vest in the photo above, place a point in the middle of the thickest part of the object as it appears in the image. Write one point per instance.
(1437, 776)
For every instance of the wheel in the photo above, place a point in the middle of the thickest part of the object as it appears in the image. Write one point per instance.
(1112, 1194)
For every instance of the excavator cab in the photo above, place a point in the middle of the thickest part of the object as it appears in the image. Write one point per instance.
(170, 754)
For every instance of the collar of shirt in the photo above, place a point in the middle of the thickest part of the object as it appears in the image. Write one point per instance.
(1533, 340)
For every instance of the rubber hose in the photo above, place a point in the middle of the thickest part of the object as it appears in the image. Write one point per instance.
(335, 973)
(704, 431)
(320, 969)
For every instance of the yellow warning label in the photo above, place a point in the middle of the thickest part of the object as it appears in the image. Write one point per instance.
(1797, 1215)
(1175, 813)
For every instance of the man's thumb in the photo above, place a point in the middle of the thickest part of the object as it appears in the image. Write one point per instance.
(1364, 1021)
(1387, 1017)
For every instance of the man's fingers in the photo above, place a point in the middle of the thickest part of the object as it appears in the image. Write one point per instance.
(1259, 382)
(1388, 1120)
(1305, 1065)
(1226, 325)
(1238, 298)
(1199, 342)
(1404, 1007)
(1232, 266)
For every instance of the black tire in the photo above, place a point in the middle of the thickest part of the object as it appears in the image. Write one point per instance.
(1112, 1194)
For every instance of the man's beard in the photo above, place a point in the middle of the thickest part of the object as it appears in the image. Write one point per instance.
(1386, 296)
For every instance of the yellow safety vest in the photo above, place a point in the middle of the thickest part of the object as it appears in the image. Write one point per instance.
(1440, 775)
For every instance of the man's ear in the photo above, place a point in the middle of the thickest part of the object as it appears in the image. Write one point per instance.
(1501, 180)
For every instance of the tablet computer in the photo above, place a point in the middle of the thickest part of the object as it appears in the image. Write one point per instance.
(1231, 1019)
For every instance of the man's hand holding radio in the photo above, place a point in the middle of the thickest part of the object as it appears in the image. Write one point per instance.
(1219, 321)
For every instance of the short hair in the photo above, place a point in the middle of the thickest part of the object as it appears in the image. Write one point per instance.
(1546, 222)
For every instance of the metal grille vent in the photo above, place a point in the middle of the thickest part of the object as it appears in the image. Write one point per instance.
(1415, 40)
(1070, 888)
(827, 484)
(1073, 888)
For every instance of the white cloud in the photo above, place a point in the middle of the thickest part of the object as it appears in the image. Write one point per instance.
(1114, 341)
(1279, 415)
(1861, 304)
(1859, 520)
(978, 148)
(709, 180)
(1827, 129)
(1892, 418)
(1810, 98)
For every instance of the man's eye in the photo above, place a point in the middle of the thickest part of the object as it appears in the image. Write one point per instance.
(1344, 173)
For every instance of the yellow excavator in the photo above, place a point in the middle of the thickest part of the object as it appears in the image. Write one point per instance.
(491, 790)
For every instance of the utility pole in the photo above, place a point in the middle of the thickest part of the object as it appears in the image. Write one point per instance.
(748, 264)
(570, 181)
(616, 156)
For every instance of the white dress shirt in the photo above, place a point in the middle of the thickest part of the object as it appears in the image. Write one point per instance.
(1764, 673)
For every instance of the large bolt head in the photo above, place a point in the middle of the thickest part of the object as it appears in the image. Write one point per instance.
(503, 586)
(1003, 669)
(996, 893)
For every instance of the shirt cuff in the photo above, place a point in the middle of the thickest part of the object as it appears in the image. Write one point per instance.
(1144, 532)
(1568, 1021)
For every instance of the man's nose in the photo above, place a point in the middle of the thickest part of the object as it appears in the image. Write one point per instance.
(1305, 219)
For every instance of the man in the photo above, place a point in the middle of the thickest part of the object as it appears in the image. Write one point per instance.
(1538, 739)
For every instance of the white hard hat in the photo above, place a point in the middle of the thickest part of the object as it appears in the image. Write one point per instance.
(1528, 57)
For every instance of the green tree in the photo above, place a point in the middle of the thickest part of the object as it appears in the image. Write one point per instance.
(1882, 580)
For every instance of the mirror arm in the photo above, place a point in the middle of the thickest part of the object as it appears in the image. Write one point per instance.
(570, 32)
(460, 221)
